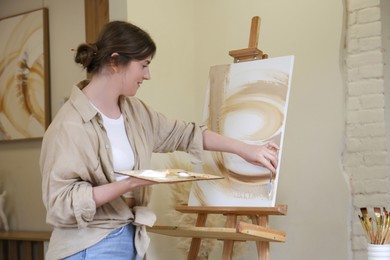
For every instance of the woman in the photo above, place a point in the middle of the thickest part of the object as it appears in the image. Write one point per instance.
(103, 128)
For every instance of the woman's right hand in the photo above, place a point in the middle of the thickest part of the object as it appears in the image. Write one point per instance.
(137, 182)
(110, 191)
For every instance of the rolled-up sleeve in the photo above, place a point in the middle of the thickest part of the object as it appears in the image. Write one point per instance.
(175, 135)
(84, 209)
(66, 188)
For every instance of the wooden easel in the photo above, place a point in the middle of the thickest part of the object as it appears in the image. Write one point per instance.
(252, 52)
(234, 230)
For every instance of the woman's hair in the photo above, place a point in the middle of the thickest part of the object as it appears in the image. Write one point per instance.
(126, 39)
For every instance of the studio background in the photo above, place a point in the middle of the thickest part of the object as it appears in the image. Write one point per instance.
(191, 36)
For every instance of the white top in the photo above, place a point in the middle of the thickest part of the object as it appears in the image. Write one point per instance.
(122, 152)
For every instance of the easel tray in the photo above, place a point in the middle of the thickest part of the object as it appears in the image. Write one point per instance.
(242, 232)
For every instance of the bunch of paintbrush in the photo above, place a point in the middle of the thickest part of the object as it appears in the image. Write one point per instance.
(378, 231)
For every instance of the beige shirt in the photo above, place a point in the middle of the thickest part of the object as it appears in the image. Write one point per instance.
(76, 156)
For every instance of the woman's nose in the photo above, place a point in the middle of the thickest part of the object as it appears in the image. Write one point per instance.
(147, 75)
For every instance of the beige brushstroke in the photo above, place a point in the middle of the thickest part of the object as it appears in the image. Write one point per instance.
(218, 80)
(265, 98)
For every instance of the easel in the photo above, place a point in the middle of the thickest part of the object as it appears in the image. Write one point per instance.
(234, 230)
(252, 52)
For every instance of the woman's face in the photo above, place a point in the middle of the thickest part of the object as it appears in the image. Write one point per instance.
(133, 75)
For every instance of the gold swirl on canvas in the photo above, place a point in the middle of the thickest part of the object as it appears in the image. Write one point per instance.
(252, 113)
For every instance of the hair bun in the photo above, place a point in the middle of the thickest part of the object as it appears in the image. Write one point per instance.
(85, 54)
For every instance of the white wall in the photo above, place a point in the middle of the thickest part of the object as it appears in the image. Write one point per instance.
(193, 35)
(172, 88)
(366, 156)
(19, 170)
(385, 14)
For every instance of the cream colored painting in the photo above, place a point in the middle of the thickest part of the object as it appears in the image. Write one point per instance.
(24, 97)
(246, 101)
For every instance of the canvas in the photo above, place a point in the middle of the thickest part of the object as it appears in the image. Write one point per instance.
(24, 79)
(247, 101)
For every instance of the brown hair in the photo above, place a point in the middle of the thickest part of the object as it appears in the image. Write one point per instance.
(126, 39)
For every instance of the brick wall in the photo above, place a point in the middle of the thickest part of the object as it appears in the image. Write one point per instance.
(365, 156)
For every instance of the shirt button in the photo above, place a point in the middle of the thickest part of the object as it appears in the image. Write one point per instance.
(107, 146)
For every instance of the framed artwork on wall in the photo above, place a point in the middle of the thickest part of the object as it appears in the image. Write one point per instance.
(24, 76)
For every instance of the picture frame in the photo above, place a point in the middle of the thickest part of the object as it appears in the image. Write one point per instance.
(24, 76)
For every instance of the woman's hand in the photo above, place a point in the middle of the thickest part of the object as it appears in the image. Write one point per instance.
(137, 182)
(261, 155)
(108, 192)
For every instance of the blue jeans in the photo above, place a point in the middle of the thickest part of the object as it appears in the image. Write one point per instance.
(118, 245)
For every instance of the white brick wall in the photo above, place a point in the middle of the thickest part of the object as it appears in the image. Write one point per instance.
(365, 154)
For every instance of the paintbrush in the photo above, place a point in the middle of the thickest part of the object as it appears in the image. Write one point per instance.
(382, 224)
(364, 225)
(378, 221)
(386, 237)
(368, 223)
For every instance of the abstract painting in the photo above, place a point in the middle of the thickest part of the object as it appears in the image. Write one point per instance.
(24, 76)
(246, 101)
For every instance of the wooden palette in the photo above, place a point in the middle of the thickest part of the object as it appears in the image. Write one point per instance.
(169, 175)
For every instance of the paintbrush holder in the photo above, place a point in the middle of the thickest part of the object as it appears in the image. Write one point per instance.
(378, 252)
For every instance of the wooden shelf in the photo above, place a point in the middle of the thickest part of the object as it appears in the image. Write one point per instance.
(26, 245)
(25, 235)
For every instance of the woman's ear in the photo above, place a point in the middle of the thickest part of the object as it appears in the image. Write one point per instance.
(114, 61)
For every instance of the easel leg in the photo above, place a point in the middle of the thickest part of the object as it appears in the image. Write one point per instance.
(263, 250)
(262, 247)
(227, 253)
(195, 243)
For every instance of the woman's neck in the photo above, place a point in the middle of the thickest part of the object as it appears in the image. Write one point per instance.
(101, 92)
